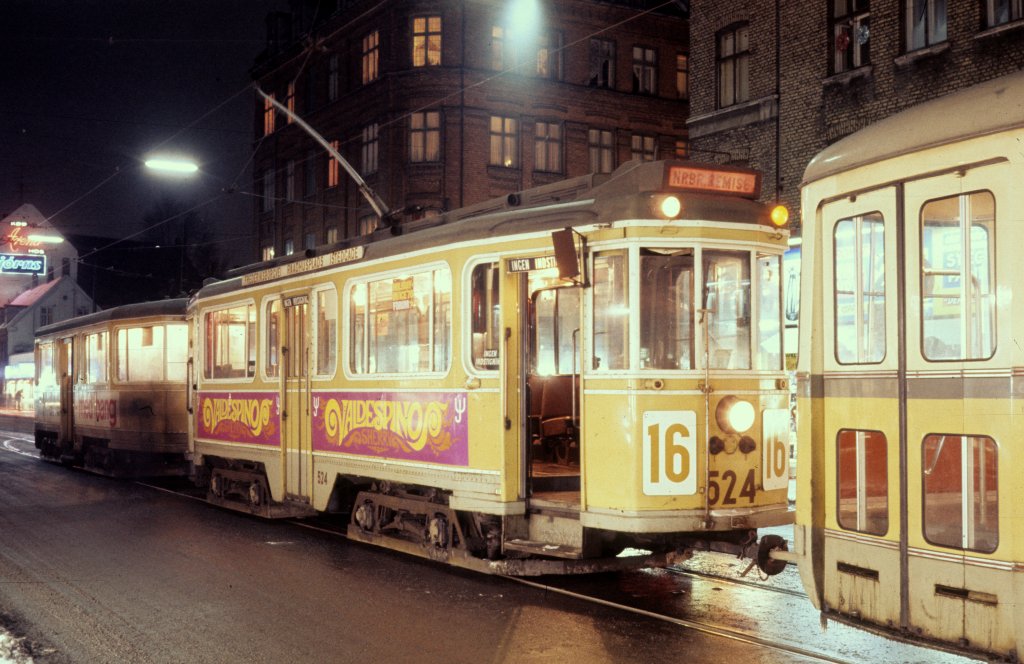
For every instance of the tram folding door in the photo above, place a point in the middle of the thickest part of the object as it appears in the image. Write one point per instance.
(66, 376)
(296, 445)
(915, 409)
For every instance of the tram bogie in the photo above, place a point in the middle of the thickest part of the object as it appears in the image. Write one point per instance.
(907, 493)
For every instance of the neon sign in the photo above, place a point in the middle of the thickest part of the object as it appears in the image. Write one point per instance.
(22, 264)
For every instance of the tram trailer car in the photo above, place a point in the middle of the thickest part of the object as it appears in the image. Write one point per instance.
(466, 399)
(909, 510)
(110, 393)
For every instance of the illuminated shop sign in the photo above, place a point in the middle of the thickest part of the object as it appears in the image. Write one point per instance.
(22, 264)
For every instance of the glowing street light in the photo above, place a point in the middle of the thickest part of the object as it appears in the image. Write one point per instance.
(170, 165)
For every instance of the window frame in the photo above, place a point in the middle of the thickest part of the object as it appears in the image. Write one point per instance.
(601, 151)
(370, 149)
(1014, 13)
(370, 57)
(862, 479)
(732, 68)
(504, 142)
(931, 28)
(547, 148)
(426, 40)
(966, 497)
(424, 132)
(849, 36)
(859, 294)
(249, 343)
(645, 70)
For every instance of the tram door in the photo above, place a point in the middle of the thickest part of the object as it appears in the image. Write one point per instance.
(953, 424)
(297, 440)
(66, 376)
(543, 367)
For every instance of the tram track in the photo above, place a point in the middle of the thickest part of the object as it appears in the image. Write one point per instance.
(697, 574)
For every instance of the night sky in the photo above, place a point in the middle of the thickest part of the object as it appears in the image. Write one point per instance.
(91, 87)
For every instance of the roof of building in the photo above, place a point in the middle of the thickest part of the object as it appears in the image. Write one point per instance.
(32, 295)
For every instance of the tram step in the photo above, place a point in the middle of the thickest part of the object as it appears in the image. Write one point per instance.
(544, 549)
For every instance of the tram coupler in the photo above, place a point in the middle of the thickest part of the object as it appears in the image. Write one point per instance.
(773, 554)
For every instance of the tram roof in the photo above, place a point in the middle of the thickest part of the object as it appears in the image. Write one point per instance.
(986, 108)
(173, 307)
(589, 199)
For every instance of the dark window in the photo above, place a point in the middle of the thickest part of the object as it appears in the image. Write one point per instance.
(733, 65)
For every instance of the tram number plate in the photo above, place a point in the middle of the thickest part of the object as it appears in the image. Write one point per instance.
(670, 453)
(775, 459)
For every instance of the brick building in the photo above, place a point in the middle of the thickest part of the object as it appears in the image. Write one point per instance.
(775, 82)
(439, 105)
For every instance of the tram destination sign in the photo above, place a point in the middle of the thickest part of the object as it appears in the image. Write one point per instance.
(714, 180)
(22, 264)
(306, 265)
(531, 263)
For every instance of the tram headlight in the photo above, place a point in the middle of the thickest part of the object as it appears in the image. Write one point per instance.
(734, 415)
(667, 206)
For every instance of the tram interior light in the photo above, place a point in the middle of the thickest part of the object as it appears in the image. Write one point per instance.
(734, 415)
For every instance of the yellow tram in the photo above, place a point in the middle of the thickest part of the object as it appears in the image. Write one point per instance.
(110, 390)
(529, 385)
(910, 371)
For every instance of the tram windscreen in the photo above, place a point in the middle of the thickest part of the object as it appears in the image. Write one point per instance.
(666, 309)
(727, 299)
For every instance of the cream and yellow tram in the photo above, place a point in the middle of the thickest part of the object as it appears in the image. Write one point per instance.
(909, 373)
(110, 391)
(530, 385)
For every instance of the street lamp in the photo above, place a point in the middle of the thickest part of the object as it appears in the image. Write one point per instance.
(172, 165)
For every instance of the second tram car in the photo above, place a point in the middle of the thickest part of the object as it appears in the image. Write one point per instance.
(477, 392)
(110, 391)
(910, 372)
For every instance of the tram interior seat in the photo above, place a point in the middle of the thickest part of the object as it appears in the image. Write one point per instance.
(556, 407)
(535, 392)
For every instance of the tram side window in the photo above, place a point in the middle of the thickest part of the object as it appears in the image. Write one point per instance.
(961, 492)
(326, 332)
(96, 358)
(176, 351)
(958, 277)
(863, 481)
(769, 317)
(152, 353)
(611, 312)
(859, 306)
(229, 343)
(46, 369)
(727, 299)
(666, 309)
(272, 321)
(402, 324)
(486, 317)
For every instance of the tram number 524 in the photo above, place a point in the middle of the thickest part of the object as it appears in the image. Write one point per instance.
(670, 453)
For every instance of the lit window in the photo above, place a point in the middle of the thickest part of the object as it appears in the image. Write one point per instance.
(733, 65)
(370, 147)
(961, 492)
(426, 41)
(682, 149)
(272, 358)
(96, 358)
(289, 247)
(267, 253)
(548, 147)
(601, 144)
(269, 115)
(326, 331)
(610, 312)
(645, 70)
(549, 55)
(682, 76)
(958, 289)
(644, 148)
(859, 306)
(926, 23)
(332, 234)
(851, 30)
(726, 277)
(401, 324)
(368, 223)
(497, 48)
(863, 481)
(229, 342)
(504, 142)
(333, 166)
(425, 136)
(371, 57)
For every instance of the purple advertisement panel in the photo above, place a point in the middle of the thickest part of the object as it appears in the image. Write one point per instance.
(240, 417)
(418, 426)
